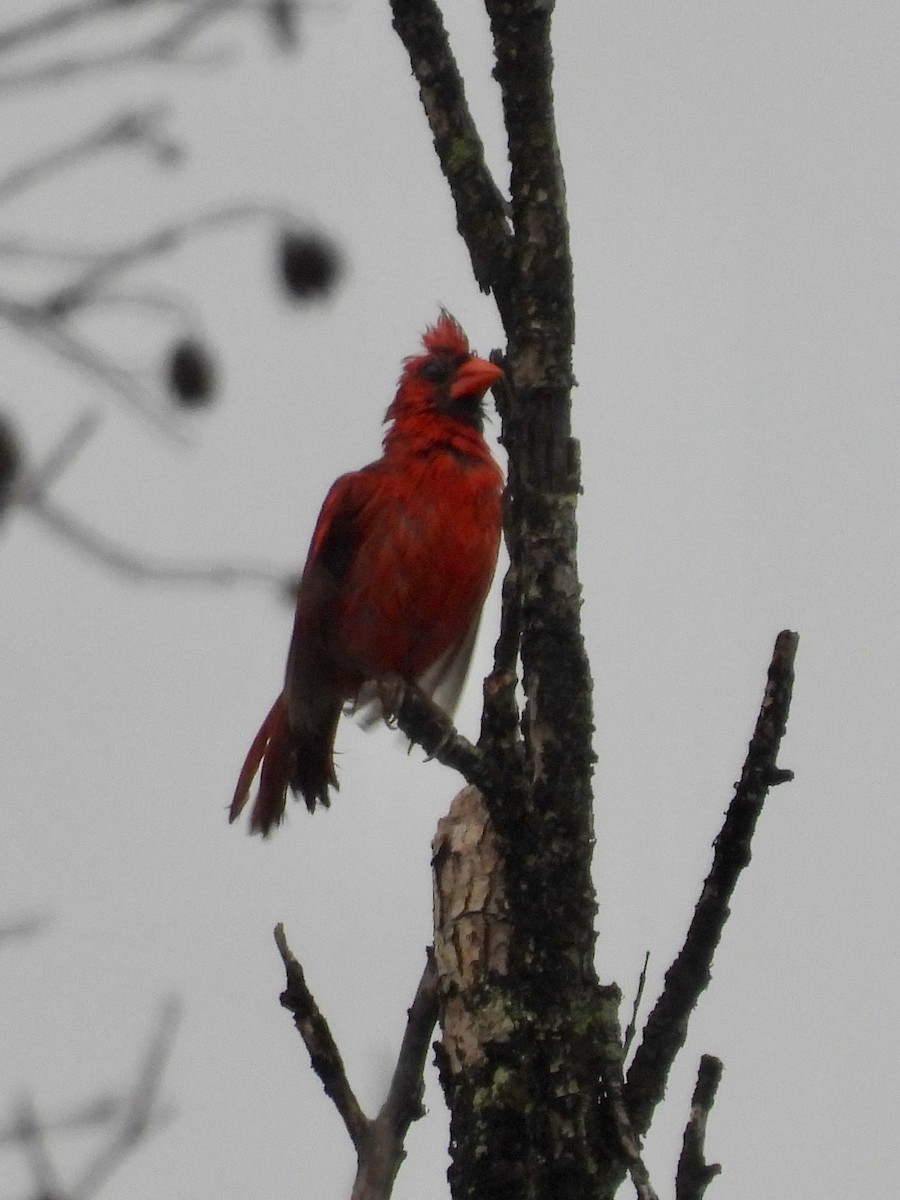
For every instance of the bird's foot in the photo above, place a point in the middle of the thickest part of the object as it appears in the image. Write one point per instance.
(391, 691)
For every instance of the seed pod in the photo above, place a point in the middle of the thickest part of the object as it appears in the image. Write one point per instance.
(191, 374)
(309, 263)
(11, 457)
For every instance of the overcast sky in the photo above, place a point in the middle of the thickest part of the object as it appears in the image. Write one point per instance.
(733, 180)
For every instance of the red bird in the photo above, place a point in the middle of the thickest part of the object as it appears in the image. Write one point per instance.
(398, 568)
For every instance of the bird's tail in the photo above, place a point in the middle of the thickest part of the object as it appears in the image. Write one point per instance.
(286, 758)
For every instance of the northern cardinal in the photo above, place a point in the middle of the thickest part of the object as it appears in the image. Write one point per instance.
(398, 568)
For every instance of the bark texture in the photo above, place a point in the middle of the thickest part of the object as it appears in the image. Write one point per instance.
(531, 1055)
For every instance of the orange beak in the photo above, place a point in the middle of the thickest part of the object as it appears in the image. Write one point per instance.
(474, 378)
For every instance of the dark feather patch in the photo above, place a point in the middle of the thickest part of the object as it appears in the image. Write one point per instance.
(339, 546)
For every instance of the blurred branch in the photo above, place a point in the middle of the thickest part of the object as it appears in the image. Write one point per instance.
(38, 481)
(181, 22)
(107, 264)
(54, 21)
(30, 1134)
(31, 493)
(132, 1117)
(378, 1141)
(21, 929)
(49, 332)
(42, 321)
(140, 1110)
(99, 1111)
(140, 128)
(141, 568)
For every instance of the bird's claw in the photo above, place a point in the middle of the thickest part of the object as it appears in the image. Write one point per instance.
(391, 691)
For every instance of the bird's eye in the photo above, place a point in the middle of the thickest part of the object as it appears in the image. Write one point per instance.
(437, 370)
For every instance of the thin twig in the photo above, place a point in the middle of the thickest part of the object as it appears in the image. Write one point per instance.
(694, 1172)
(41, 321)
(324, 1055)
(666, 1027)
(631, 1028)
(612, 1059)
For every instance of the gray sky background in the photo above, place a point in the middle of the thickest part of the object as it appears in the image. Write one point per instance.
(733, 179)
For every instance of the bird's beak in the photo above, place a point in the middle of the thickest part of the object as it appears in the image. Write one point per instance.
(474, 378)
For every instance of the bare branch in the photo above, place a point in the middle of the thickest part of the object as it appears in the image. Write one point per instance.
(323, 1052)
(404, 1098)
(666, 1027)
(379, 1142)
(42, 322)
(426, 724)
(384, 1153)
(481, 210)
(694, 1172)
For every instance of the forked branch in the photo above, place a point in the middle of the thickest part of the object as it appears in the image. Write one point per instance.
(378, 1141)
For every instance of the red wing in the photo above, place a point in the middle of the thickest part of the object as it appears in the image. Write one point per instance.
(443, 682)
(313, 679)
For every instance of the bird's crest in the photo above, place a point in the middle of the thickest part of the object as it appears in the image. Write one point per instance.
(443, 339)
(445, 336)
(448, 383)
